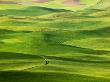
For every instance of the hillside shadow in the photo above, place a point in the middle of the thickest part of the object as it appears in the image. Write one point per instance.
(20, 76)
(12, 55)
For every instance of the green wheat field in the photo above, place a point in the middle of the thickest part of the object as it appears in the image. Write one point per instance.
(54, 41)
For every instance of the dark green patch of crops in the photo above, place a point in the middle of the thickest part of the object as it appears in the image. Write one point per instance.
(14, 76)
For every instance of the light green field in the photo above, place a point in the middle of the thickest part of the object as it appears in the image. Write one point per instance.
(76, 44)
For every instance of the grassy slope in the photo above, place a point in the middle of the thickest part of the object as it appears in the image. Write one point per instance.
(52, 4)
(76, 45)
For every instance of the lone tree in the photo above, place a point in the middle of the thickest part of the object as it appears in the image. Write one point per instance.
(72, 2)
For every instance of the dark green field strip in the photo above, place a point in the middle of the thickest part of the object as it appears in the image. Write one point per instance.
(76, 49)
(30, 11)
(17, 23)
(15, 35)
(61, 36)
(3, 31)
(6, 31)
(12, 55)
(17, 76)
(7, 34)
(18, 63)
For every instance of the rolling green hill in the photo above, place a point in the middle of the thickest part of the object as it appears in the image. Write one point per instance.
(47, 43)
